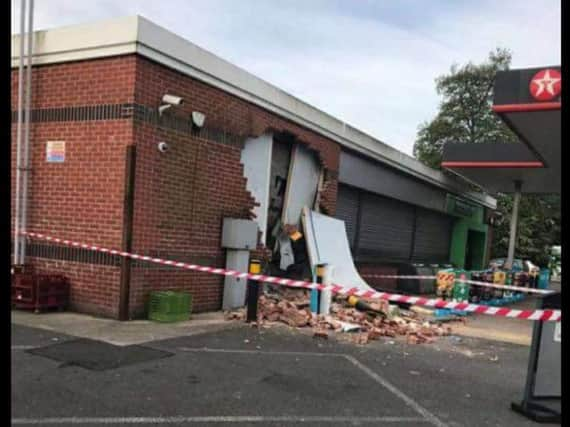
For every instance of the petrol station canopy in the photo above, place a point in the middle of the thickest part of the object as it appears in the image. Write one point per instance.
(528, 101)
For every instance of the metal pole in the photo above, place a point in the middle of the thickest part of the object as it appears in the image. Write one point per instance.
(315, 301)
(252, 292)
(326, 296)
(26, 170)
(17, 236)
(514, 223)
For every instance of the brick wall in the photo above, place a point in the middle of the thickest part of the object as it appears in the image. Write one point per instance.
(101, 81)
(231, 114)
(223, 110)
(81, 199)
(94, 288)
(181, 196)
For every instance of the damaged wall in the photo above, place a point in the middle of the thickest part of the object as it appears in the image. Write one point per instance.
(182, 196)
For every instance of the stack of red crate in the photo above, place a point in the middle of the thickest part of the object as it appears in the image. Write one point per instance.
(38, 292)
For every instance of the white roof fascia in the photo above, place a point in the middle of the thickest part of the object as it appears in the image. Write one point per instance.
(138, 35)
(80, 42)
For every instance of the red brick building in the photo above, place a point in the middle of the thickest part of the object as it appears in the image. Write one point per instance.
(98, 88)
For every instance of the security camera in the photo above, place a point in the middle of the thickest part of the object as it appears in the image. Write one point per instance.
(163, 147)
(168, 101)
(198, 118)
(172, 100)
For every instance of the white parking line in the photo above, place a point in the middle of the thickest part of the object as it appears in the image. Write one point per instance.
(284, 353)
(219, 419)
(428, 416)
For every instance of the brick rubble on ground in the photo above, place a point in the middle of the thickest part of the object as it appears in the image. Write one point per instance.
(291, 306)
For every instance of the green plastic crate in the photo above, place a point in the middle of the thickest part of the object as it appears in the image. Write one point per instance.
(169, 306)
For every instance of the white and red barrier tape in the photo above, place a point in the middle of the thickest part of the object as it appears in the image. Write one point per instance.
(542, 315)
(393, 276)
(471, 282)
(508, 287)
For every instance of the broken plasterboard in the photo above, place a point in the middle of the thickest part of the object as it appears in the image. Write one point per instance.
(327, 242)
(256, 160)
(302, 184)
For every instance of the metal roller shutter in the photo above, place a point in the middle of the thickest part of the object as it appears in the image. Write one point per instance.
(386, 228)
(347, 210)
(433, 237)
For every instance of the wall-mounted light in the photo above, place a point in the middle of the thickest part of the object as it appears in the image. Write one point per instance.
(198, 119)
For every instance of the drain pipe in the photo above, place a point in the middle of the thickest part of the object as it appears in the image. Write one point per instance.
(17, 214)
(28, 118)
(128, 214)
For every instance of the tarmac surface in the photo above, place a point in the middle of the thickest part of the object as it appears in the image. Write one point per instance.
(500, 329)
(276, 376)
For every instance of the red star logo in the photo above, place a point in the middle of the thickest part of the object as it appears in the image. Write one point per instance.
(546, 85)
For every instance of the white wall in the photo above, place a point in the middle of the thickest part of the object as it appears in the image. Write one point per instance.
(256, 160)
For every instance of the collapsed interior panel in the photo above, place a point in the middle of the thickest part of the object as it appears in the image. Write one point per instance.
(302, 185)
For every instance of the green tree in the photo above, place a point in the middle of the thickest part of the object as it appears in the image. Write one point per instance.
(555, 263)
(465, 115)
(538, 227)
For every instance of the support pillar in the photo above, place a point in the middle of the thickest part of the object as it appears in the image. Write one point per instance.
(514, 223)
(326, 295)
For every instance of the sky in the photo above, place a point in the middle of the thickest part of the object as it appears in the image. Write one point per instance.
(370, 63)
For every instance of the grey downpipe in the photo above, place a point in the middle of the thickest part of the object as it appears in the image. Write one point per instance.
(17, 212)
(28, 118)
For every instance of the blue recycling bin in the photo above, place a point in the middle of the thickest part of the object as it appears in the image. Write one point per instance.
(544, 278)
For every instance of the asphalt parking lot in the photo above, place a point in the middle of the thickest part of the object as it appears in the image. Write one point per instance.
(276, 377)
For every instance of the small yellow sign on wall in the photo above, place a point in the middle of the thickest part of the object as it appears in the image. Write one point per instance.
(55, 151)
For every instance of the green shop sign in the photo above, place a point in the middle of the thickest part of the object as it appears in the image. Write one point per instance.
(457, 206)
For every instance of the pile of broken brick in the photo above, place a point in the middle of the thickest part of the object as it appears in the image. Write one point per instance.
(358, 325)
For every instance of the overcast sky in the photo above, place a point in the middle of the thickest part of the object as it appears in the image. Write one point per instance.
(371, 63)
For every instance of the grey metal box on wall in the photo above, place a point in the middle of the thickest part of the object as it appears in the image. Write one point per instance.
(239, 234)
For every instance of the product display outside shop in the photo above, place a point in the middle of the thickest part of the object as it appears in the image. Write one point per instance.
(468, 286)
(460, 288)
